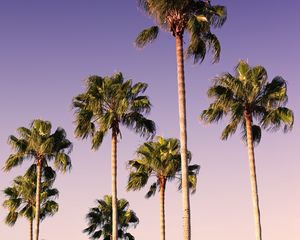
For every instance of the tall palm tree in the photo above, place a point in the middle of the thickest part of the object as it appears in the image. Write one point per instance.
(159, 159)
(108, 103)
(196, 17)
(21, 198)
(38, 144)
(245, 97)
(100, 220)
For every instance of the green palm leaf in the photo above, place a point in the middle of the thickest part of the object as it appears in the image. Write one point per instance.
(146, 36)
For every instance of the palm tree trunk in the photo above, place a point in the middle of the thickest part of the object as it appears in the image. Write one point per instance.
(31, 229)
(114, 185)
(253, 180)
(38, 196)
(162, 209)
(183, 139)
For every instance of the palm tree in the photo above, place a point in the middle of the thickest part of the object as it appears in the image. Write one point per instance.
(38, 144)
(246, 97)
(100, 220)
(21, 197)
(108, 103)
(160, 159)
(196, 17)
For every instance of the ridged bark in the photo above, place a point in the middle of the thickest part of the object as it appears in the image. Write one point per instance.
(38, 197)
(114, 186)
(253, 180)
(183, 139)
(31, 229)
(162, 209)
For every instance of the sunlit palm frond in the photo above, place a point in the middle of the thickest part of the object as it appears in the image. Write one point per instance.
(278, 117)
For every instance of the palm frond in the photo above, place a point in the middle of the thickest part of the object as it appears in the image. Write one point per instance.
(129, 236)
(275, 93)
(137, 180)
(84, 126)
(278, 117)
(49, 208)
(13, 161)
(214, 46)
(256, 134)
(193, 171)
(11, 218)
(42, 128)
(19, 145)
(97, 138)
(140, 124)
(229, 130)
(218, 15)
(213, 114)
(152, 190)
(147, 36)
(62, 162)
(196, 49)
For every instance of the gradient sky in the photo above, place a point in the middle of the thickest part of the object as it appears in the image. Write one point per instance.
(48, 48)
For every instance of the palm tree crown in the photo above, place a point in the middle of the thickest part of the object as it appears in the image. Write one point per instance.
(160, 159)
(109, 102)
(248, 94)
(100, 220)
(39, 144)
(21, 196)
(194, 16)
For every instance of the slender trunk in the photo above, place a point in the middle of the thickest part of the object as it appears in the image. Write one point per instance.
(38, 196)
(114, 185)
(255, 201)
(31, 229)
(183, 139)
(162, 209)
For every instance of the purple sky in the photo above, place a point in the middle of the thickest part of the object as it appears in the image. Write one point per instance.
(47, 49)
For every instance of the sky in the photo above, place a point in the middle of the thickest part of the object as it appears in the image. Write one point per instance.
(48, 49)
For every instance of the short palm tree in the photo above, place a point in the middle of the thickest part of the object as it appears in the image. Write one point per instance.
(21, 198)
(177, 17)
(100, 220)
(159, 159)
(245, 97)
(108, 103)
(38, 144)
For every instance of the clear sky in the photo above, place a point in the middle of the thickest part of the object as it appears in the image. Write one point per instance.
(48, 48)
